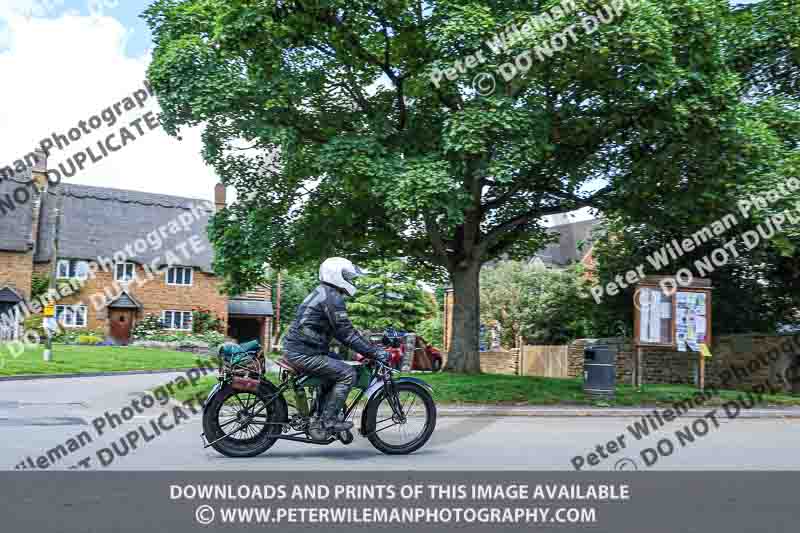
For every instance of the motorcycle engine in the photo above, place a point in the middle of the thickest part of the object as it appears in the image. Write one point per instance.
(298, 422)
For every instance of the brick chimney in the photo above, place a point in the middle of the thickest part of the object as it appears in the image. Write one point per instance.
(219, 196)
(39, 169)
(39, 177)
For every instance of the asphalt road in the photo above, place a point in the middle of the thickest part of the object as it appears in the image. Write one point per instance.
(38, 416)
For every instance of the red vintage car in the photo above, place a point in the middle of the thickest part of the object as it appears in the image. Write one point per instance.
(426, 357)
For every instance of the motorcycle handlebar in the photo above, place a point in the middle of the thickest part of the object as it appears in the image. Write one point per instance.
(375, 363)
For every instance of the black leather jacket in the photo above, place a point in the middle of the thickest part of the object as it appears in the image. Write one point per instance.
(321, 317)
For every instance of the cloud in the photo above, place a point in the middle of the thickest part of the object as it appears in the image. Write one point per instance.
(32, 8)
(59, 71)
(5, 37)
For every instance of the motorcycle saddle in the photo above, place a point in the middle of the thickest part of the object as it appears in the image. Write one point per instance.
(288, 366)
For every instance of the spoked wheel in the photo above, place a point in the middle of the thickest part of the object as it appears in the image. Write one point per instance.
(404, 432)
(236, 414)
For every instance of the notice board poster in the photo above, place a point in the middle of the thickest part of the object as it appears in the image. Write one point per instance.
(655, 316)
(691, 321)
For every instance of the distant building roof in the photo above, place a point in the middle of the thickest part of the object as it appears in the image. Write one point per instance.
(566, 251)
(249, 307)
(98, 221)
(17, 222)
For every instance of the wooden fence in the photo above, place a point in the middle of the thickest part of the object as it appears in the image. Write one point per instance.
(545, 361)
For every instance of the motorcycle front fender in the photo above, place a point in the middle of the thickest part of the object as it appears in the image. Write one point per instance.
(377, 386)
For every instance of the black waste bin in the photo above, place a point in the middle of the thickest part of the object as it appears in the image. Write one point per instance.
(599, 371)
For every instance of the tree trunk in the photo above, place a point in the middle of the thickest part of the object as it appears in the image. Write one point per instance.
(464, 356)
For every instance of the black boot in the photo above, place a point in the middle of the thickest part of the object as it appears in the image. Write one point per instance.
(337, 426)
(321, 429)
(332, 415)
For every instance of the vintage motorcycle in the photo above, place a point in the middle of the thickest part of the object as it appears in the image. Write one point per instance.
(245, 414)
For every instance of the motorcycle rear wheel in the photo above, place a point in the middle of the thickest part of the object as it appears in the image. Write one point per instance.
(229, 408)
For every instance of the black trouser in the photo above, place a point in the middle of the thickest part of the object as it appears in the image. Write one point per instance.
(331, 369)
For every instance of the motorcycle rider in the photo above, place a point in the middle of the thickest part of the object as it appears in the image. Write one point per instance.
(323, 316)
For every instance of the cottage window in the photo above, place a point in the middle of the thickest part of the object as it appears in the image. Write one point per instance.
(124, 272)
(180, 320)
(179, 276)
(71, 316)
(72, 269)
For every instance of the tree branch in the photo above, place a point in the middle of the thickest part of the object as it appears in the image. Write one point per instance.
(525, 218)
(503, 198)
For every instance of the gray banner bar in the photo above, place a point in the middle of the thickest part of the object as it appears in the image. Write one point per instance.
(178, 502)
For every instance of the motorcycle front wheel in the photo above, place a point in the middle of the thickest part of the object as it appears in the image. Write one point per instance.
(233, 413)
(396, 434)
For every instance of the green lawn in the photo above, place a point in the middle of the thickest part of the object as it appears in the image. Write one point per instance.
(515, 390)
(69, 359)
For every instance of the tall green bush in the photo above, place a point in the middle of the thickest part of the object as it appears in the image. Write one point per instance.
(542, 305)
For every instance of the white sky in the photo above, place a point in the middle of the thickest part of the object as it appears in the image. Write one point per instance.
(58, 71)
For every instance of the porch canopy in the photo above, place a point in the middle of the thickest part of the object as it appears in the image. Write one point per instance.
(9, 296)
(249, 308)
(125, 301)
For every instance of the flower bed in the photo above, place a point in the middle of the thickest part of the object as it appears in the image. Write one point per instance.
(150, 333)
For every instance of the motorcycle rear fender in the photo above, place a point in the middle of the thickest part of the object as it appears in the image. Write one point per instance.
(377, 386)
(211, 394)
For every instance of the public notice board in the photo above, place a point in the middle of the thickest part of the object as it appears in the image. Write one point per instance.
(655, 318)
(691, 321)
(679, 318)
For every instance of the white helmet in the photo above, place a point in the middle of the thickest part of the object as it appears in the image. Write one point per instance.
(340, 273)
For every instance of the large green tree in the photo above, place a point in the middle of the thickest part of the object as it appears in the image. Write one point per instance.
(389, 295)
(335, 123)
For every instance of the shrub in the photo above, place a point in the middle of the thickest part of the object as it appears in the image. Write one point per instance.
(204, 321)
(72, 336)
(212, 338)
(67, 336)
(151, 329)
(168, 336)
(148, 328)
(34, 323)
(89, 339)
